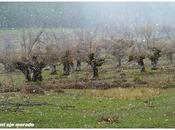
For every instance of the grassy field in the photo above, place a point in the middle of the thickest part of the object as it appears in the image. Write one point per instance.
(150, 102)
(80, 109)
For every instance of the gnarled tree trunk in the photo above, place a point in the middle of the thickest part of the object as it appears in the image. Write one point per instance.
(53, 69)
(78, 66)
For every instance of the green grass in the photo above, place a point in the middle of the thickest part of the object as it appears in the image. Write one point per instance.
(76, 109)
(140, 106)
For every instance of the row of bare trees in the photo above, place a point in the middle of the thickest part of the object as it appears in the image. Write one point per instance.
(72, 47)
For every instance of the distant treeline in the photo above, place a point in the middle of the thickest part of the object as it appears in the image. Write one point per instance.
(48, 14)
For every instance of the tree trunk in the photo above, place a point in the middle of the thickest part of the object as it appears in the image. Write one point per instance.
(119, 60)
(142, 65)
(78, 67)
(154, 65)
(37, 74)
(95, 69)
(53, 69)
(31, 72)
(72, 66)
(24, 68)
(95, 72)
(171, 58)
(66, 68)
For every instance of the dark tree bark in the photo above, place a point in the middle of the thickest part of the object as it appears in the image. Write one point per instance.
(78, 66)
(139, 60)
(78, 60)
(66, 68)
(37, 74)
(31, 71)
(95, 69)
(53, 69)
(119, 58)
(95, 63)
(36, 68)
(155, 57)
(141, 63)
(67, 63)
(25, 69)
(71, 65)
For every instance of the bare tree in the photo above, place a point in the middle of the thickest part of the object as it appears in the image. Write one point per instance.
(169, 33)
(32, 68)
(137, 53)
(64, 45)
(67, 60)
(95, 62)
(50, 51)
(119, 40)
(148, 34)
(81, 48)
(8, 54)
(29, 64)
(29, 41)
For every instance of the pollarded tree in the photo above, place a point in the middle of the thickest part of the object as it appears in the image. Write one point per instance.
(119, 48)
(169, 32)
(64, 45)
(51, 51)
(29, 64)
(78, 61)
(31, 68)
(85, 44)
(51, 58)
(154, 57)
(137, 53)
(66, 59)
(119, 40)
(79, 48)
(139, 60)
(95, 62)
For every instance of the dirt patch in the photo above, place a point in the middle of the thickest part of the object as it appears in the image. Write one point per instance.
(78, 85)
(7, 107)
(49, 86)
(35, 88)
(109, 119)
(9, 89)
(28, 103)
(95, 85)
(31, 88)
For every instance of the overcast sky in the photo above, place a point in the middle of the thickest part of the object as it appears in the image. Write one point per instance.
(78, 13)
(157, 12)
